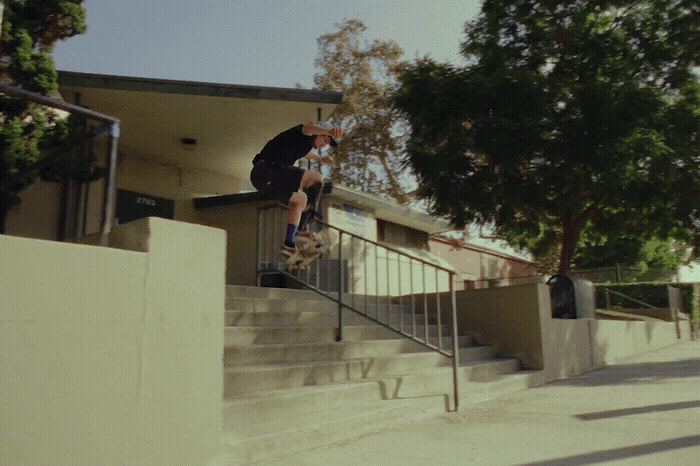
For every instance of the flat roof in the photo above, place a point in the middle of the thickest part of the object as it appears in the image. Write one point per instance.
(383, 209)
(129, 83)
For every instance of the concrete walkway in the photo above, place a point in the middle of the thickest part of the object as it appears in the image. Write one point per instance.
(645, 411)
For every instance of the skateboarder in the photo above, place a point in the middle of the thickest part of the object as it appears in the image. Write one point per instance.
(274, 172)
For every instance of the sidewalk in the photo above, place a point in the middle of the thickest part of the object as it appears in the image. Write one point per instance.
(643, 412)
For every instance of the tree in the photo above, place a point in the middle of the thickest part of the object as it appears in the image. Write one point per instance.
(367, 73)
(30, 29)
(569, 117)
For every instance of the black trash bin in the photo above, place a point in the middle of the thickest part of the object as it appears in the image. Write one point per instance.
(571, 297)
(561, 292)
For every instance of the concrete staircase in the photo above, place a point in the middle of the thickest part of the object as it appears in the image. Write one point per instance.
(288, 386)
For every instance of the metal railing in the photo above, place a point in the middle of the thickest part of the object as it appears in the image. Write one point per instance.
(111, 126)
(608, 292)
(405, 294)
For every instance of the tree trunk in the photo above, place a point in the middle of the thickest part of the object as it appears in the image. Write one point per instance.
(569, 241)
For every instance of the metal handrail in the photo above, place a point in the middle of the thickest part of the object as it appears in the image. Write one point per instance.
(112, 124)
(607, 299)
(268, 234)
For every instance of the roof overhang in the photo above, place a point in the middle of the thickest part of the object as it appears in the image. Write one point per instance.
(228, 124)
(381, 208)
(391, 211)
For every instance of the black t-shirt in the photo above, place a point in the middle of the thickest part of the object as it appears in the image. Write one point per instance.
(287, 147)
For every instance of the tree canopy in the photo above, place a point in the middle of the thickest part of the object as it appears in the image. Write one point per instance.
(30, 29)
(568, 117)
(370, 156)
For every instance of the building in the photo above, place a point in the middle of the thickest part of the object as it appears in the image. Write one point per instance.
(185, 152)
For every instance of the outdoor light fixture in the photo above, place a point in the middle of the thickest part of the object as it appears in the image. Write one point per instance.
(188, 143)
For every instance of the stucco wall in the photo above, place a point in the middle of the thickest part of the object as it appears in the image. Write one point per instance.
(240, 221)
(517, 320)
(111, 356)
(480, 268)
(37, 216)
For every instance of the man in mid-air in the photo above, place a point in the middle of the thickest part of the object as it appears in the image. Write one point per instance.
(274, 172)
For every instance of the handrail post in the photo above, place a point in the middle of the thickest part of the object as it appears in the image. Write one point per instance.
(110, 191)
(339, 337)
(455, 343)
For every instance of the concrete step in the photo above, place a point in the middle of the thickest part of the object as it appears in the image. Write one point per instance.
(275, 404)
(277, 299)
(326, 307)
(274, 318)
(279, 319)
(237, 336)
(264, 424)
(280, 305)
(322, 429)
(240, 291)
(289, 386)
(421, 373)
(313, 352)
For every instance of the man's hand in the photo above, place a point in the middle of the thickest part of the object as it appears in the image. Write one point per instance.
(327, 160)
(336, 133)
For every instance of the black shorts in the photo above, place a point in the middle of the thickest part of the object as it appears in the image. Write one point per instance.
(278, 180)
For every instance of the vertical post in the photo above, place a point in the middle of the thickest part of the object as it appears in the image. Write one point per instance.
(376, 282)
(366, 279)
(339, 337)
(351, 280)
(109, 199)
(425, 307)
(258, 248)
(398, 265)
(439, 311)
(388, 289)
(455, 343)
(413, 301)
(607, 298)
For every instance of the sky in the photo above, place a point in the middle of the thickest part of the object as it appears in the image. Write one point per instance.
(250, 42)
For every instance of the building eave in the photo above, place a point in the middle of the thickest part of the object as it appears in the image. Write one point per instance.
(128, 83)
(391, 211)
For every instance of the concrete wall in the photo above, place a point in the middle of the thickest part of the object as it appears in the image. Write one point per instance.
(517, 320)
(240, 221)
(38, 214)
(112, 356)
(508, 317)
(480, 268)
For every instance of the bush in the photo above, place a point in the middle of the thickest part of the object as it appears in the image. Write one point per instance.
(655, 294)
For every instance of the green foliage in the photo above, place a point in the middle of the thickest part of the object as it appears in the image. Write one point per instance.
(571, 119)
(655, 294)
(30, 28)
(648, 260)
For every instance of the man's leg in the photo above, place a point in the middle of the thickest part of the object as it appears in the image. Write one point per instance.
(296, 205)
(313, 183)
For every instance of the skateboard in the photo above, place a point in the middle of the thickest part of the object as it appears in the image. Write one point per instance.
(308, 251)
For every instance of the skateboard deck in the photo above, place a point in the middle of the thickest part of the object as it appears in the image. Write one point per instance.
(308, 251)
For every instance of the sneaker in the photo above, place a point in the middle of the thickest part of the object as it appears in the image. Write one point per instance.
(307, 236)
(288, 250)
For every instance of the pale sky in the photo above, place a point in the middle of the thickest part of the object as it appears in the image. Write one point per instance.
(251, 42)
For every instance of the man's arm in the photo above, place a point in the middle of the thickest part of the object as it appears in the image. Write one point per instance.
(328, 160)
(311, 129)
